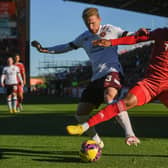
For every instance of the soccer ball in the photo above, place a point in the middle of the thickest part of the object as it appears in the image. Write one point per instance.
(90, 151)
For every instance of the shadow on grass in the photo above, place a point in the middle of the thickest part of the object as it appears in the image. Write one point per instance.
(45, 156)
(61, 156)
(55, 123)
(136, 155)
(43, 99)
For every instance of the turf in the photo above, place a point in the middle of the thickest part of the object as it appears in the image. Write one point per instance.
(36, 137)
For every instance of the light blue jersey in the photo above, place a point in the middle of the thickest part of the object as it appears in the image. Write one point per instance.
(103, 59)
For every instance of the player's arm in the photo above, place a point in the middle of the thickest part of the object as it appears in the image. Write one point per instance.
(24, 78)
(140, 36)
(23, 74)
(58, 49)
(20, 78)
(3, 76)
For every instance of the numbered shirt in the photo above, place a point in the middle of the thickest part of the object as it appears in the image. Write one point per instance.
(11, 73)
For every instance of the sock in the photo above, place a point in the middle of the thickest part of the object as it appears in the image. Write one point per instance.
(9, 103)
(90, 131)
(124, 121)
(85, 126)
(107, 113)
(112, 101)
(18, 102)
(14, 102)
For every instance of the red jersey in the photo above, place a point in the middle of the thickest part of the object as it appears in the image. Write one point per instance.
(21, 68)
(158, 67)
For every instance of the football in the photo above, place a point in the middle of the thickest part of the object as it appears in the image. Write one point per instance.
(90, 151)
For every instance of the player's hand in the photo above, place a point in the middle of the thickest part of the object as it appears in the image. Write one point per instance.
(142, 32)
(38, 46)
(102, 42)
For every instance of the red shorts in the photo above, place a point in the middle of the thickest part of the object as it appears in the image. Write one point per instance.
(19, 88)
(147, 90)
(113, 79)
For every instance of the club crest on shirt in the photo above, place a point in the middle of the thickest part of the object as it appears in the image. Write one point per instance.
(102, 34)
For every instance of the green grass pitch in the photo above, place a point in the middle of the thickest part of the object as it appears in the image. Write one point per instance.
(36, 137)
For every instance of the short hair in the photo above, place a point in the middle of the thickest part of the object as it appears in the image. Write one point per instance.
(16, 54)
(90, 12)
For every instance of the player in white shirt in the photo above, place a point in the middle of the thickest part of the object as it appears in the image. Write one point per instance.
(9, 79)
(106, 68)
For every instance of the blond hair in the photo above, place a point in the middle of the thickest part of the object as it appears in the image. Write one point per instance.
(90, 12)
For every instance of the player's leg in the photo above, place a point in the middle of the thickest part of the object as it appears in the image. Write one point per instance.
(113, 80)
(82, 115)
(9, 98)
(137, 96)
(113, 110)
(14, 98)
(9, 102)
(19, 98)
(90, 99)
(163, 97)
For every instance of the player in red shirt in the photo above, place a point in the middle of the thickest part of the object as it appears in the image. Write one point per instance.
(154, 85)
(20, 90)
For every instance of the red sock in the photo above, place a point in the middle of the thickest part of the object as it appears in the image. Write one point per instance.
(107, 113)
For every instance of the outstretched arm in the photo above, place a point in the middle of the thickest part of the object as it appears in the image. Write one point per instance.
(53, 50)
(140, 36)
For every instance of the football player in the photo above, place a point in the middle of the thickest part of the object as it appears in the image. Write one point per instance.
(107, 71)
(20, 90)
(154, 85)
(9, 80)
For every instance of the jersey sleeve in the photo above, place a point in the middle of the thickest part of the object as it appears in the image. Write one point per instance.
(78, 42)
(118, 31)
(75, 44)
(3, 75)
(128, 40)
(22, 68)
(58, 49)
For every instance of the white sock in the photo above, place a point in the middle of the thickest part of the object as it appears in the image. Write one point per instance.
(96, 138)
(112, 101)
(124, 121)
(89, 131)
(85, 126)
(9, 103)
(14, 102)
